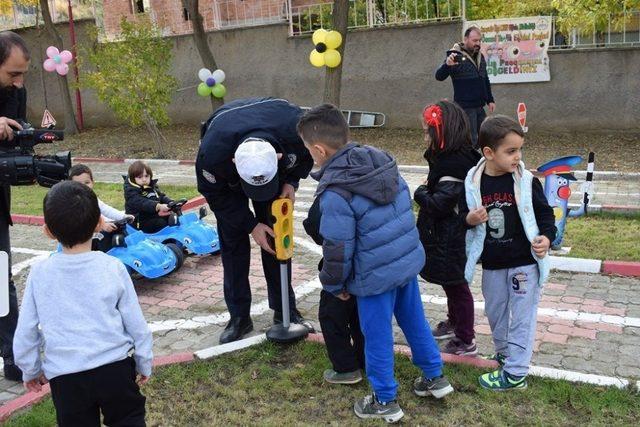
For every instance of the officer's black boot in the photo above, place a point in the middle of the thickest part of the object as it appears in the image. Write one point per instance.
(235, 329)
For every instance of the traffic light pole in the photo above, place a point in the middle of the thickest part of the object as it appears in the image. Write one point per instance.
(282, 213)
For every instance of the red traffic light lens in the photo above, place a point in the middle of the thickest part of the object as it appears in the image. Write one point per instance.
(285, 208)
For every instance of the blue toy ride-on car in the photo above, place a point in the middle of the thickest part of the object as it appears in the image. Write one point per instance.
(143, 256)
(186, 232)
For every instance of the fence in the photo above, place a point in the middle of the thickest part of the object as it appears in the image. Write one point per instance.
(248, 13)
(305, 19)
(620, 29)
(19, 16)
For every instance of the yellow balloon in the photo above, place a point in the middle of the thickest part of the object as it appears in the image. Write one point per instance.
(332, 58)
(333, 40)
(316, 58)
(319, 36)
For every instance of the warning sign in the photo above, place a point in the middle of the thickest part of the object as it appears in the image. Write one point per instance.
(47, 120)
(522, 116)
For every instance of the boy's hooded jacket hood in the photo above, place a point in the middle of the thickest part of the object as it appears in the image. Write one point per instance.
(361, 170)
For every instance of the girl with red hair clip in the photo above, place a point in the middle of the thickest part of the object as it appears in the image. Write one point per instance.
(450, 156)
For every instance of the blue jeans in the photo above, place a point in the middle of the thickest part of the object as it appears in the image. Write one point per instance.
(375, 314)
(476, 115)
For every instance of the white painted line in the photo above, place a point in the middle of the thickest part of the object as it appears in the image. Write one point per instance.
(222, 318)
(552, 312)
(217, 350)
(577, 377)
(30, 251)
(581, 265)
(17, 268)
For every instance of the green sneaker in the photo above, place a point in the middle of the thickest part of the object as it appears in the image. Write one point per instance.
(498, 357)
(500, 380)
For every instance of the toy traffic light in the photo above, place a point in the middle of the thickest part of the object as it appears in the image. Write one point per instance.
(282, 213)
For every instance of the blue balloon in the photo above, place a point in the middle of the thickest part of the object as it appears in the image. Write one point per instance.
(211, 82)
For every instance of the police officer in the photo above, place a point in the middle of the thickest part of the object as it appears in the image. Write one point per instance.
(14, 63)
(250, 150)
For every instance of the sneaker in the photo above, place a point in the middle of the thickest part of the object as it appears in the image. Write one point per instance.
(443, 331)
(458, 347)
(437, 387)
(369, 407)
(500, 380)
(498, 357)
(11, 370)
(334, 377)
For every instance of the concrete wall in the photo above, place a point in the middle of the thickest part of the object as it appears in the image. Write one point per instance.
(388, 70)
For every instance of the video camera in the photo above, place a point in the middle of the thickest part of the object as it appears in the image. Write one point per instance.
(20, 165)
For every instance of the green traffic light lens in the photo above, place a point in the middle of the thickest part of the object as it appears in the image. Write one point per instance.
(286, 242)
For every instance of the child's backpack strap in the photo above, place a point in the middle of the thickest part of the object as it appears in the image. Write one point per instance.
(452, 179)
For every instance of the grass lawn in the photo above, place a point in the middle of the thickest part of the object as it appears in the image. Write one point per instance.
(612, 237)
(27, 200)
(614, 151)
(273, 385)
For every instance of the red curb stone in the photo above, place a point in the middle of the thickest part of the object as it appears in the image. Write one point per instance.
(173, 358)
(27, 219)
(621, 268)
(96, 160)
(196, 202)
(21, 402)
(554, 338)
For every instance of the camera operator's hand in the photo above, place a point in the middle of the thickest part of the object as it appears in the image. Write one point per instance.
(6, 131)
(451, 60)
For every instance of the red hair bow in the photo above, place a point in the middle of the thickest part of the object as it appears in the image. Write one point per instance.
(433, 118)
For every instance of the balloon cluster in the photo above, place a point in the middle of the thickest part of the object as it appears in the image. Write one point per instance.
(211, 83)
(57, 61)
(325, 53)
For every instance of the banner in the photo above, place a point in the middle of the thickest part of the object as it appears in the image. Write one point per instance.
(515, 48)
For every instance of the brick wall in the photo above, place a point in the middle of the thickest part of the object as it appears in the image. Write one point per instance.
(169, 15)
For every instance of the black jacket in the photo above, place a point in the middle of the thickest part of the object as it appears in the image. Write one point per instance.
(441, 231)
(273, 120)
(141, 201)
(13, 105)
(471, 86)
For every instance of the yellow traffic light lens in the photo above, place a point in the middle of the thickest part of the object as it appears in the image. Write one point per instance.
(285, 226)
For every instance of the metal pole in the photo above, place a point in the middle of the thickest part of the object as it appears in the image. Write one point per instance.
(72, 35)
(464, 10)
(284, 290)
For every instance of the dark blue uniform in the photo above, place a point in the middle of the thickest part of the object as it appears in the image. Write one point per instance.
(273, 120)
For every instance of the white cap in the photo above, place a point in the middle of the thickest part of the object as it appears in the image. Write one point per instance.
(257, 164)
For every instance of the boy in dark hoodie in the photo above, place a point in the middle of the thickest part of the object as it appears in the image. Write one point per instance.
(372, 251)
(144, 200)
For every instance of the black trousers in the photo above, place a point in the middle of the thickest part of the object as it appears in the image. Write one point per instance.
(112, 389)
(476, 116)
(153, 224)
(236, 258)
(341, 332)
(9, 322)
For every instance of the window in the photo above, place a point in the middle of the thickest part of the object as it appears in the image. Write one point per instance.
(139, 6)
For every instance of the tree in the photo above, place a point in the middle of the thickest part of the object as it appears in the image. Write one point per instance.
(132, 77)
(586, 16)
(333, 76)
(200, 39)
(70, 125)
(491, 9)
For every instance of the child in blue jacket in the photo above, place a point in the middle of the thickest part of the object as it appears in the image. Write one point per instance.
(372, 251)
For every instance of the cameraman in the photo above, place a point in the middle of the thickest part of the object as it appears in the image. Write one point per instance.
(14, 63)
(471, 88)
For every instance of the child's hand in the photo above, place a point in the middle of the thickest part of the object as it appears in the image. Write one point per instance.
(163, 209)
(129, 218)
(35, 385)
(344, 296)
(109, 227)
(540, 246)
(477, 216)
(142, 379)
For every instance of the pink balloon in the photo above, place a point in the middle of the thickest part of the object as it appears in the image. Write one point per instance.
(62, 69)
(66, 56)
(52, 51)
(49, 65)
